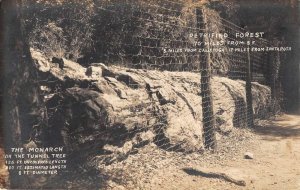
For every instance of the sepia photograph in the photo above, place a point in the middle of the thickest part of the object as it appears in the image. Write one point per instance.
(150, 94)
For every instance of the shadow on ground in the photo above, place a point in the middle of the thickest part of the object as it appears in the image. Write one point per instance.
(286, 126)
(216, 175)
(76, 178)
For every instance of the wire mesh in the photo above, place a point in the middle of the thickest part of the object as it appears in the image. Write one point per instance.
(147, 46)
(147, 35)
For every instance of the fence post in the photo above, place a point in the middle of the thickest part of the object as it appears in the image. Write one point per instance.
(250, 122)
(274, 65)
(208, 120)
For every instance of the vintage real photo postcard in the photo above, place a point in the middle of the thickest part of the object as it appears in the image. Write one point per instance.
(150, 94)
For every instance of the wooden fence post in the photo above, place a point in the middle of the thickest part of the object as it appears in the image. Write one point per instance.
(250, 122)
(208, 120)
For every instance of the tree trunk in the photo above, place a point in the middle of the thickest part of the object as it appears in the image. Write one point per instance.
(21, 103)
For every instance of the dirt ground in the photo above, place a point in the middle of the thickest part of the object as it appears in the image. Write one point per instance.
(276, 163)
(275, 166)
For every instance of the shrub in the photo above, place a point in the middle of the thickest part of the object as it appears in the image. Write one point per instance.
(59, 28)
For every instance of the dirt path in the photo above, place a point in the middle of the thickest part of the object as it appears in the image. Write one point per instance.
(276, 163)
(278, 155)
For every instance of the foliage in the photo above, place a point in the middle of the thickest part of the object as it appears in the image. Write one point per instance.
(59, 28)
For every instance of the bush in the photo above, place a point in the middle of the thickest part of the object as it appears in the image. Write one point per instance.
(59, 28)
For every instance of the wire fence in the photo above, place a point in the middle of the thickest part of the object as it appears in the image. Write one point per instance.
(171, 36)
(178, 77)
(168, 41)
